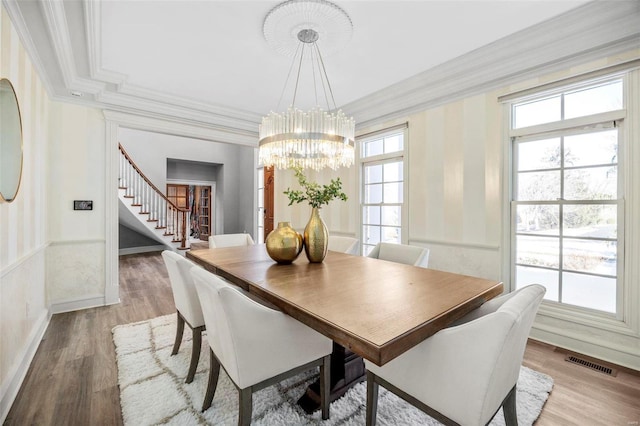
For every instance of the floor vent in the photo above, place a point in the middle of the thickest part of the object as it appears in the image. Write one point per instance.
(592, 365)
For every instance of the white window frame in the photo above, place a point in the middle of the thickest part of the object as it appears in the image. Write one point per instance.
(627, 319)
(385, 158)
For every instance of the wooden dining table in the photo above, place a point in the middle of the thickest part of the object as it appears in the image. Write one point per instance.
(374, 308)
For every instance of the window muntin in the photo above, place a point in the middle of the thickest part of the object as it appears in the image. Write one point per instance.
(567, 198)
(383, 188)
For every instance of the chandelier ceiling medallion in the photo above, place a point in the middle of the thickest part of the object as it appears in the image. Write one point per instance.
(319, 137)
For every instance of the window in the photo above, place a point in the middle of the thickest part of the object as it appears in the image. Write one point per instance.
(567, 208)
(383, 187)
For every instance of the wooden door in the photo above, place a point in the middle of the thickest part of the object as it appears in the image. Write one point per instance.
(178, 194)
(268, 200)
(204, 211)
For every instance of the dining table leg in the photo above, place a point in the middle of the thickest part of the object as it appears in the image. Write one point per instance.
(347, 369)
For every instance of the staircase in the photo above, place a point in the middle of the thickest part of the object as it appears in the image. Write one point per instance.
(168, 222)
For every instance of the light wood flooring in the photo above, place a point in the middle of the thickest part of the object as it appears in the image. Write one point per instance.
(73, 377)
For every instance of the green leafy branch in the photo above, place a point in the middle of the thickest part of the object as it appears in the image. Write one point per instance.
(317, 195)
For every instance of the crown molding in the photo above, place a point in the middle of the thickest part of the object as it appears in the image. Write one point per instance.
(578, 36)
(20, 24)
(58, 28)
(590, 32)
(183, 128)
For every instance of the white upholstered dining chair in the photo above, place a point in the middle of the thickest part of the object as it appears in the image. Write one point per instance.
(464, 374)
(346, 245)
(401, 253)
(187, 306)
(230, 240)
(256, 345)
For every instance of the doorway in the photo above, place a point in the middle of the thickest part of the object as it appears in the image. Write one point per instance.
(265, 203)
(198, 199)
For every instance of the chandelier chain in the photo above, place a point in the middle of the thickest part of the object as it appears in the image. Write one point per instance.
(284, 89)
(324, 89)
(295, 91)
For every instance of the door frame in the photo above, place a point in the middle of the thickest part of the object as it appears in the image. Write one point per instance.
(113, 121)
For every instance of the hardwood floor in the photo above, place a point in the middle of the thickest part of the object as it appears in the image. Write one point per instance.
(73, 377)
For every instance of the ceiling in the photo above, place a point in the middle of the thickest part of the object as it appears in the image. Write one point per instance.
(207, 62)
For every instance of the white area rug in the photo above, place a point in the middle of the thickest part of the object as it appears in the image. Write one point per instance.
(153, 391)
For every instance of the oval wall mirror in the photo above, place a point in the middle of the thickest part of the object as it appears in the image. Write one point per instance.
(10, 142)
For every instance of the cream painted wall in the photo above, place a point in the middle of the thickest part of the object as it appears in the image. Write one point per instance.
(23, 307)
(456, 187)
(75, 257)
(51, 257)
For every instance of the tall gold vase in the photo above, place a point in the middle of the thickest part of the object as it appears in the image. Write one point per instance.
(316, 237)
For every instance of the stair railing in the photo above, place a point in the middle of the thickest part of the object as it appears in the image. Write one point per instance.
(152, 201)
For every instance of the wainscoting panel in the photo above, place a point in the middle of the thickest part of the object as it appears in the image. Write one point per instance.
(75, 274)
(23, 319)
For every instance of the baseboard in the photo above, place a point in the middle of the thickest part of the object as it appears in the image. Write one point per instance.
(17, 374)
(77, 304)
(597, 348)
(136, 250)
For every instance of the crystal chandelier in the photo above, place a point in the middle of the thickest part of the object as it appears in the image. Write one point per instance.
(317, 138)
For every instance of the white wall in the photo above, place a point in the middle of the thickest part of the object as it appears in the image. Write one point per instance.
(23, 307)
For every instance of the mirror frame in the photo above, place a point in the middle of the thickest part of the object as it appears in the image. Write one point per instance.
(11, 197)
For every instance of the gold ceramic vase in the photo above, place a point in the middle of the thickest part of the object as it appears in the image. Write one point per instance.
(316, 237)
(284, 244)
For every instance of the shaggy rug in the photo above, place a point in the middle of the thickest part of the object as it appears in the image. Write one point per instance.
(153, 391)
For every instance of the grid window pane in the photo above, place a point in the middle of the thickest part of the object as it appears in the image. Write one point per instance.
(538, 251)
(393, 192)
(537, 112)
(374, 147)
(373, 194)
(549, 279)
(595, 183)
(373, 174)
(260, 198)
(598, 257)
(371, 215)
(391, 235)
(538, 219)
(393, 144)
(371, 234)
(590, 220)
(589, 291)
(593, 100)
(393, 171)
(591, 149)
(391, 215)
(538, 186)
(537, 155)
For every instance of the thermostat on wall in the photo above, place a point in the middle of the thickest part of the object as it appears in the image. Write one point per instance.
(83, 204)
